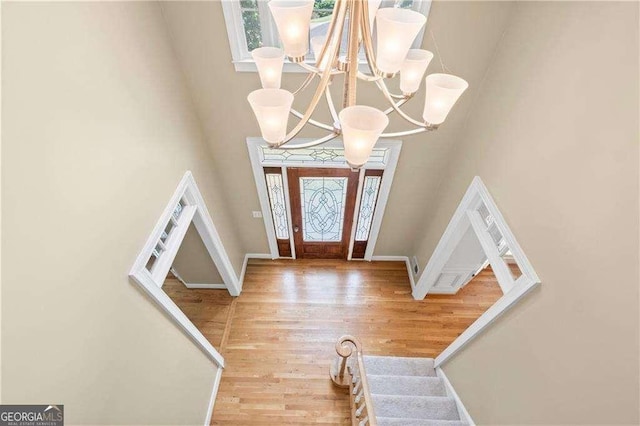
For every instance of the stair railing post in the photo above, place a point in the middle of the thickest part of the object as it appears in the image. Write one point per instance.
(362, 412)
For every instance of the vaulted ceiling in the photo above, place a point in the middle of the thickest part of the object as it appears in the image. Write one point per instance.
(467, 34)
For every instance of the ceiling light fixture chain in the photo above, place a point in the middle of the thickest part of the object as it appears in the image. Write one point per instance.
(435, 44)
(360, 126)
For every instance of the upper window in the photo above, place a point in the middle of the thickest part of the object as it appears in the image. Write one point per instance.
(250, 25)
(321, 156)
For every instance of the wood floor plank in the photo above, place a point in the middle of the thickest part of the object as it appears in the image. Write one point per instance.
(278, 336)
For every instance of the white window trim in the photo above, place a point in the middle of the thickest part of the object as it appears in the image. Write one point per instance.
(476, 194)
(152, 283)
(242, 61)
(394, 147)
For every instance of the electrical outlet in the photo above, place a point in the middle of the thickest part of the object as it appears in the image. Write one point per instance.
(257, 214)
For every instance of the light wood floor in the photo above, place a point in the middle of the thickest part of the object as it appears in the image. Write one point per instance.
(208, 310)
(281, 332)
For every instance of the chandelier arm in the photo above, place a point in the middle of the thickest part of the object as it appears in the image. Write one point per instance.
(353, 46)
(401, 97)
(332, 107)
(385, 92)
(310, 109)
(312, 122)
(305, 84)
(310, 68)
(313, 71)
(317, 71)
(398, 105)
(368, 77)
(314, 142)
(367, 40)
(374, 78)
(341, 7)
(406, 132)
(324, 78)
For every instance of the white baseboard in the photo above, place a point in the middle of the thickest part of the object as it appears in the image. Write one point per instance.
(196, 285)
(212, 400)
(389, 258)
(246, 260)
(211, 286)
(434, 290)
(451, 392)
(404, 259)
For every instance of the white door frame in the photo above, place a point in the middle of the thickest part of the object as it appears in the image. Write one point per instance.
(389, 167)
(465, 216)
(151, 282)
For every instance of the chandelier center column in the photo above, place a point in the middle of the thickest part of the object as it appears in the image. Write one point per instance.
(351, 77)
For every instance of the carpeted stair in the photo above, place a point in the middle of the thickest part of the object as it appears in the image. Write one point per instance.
(407, 392)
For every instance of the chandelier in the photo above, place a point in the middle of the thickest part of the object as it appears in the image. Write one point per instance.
(359, 125)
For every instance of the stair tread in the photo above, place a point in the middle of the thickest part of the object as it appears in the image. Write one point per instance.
(406, 385)
(399, 366)
(395, 421)
(415, 407)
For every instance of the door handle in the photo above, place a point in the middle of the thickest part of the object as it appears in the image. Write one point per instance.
(296, 228)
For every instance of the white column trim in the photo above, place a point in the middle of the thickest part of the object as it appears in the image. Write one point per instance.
(383, 198)
(263, 197)
(477, 193)
(356, 211)
(287, 204)
(151, 283)
(212, 399)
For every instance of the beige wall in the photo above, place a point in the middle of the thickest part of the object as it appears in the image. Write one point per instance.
(98, 131)
(554, 136)
(467, 33)
(193, 262)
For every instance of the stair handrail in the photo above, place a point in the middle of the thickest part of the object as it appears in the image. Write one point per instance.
(353, 376)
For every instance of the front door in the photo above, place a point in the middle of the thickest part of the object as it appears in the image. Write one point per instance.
(322, 203)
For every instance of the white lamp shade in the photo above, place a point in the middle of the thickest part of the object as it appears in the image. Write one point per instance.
(413, 69)
(396, 29)
(271, 108)
(269, 61)
(292, 19)
(443, 90)
(373, 9)
(361, 128)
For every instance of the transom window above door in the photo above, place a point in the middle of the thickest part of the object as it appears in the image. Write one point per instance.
(250, 25)
(317, 156)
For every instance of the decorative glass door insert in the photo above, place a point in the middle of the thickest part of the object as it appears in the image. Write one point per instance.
(322, 205)
(323, 202)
